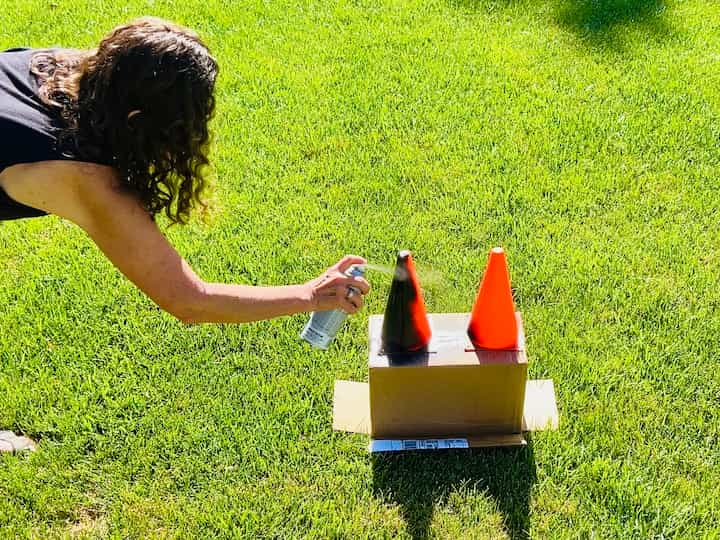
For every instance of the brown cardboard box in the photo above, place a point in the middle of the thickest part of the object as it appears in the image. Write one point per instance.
(449, 392)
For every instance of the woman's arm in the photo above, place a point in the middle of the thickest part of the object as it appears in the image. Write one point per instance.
(91, 196)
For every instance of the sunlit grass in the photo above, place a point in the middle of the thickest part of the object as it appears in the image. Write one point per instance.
(581, 136)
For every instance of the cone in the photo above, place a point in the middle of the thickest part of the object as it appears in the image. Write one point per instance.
(405, 326)
(492, 322)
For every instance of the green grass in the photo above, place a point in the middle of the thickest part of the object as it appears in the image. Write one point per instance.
(583, 136)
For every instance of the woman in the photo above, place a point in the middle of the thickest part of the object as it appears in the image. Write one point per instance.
(111, 137)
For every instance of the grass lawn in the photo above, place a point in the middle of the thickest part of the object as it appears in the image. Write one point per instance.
(581, 135)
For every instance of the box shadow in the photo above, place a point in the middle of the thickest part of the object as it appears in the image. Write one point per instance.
(418, 481)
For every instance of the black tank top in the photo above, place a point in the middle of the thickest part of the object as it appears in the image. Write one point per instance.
(28, 128)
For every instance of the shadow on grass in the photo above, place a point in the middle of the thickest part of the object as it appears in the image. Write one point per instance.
(419, 481)
(606, 23)
(600, 20)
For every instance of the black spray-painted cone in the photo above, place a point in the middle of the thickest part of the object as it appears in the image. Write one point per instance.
(405, 325)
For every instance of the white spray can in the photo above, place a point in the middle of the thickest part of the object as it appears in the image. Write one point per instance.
(323, 326)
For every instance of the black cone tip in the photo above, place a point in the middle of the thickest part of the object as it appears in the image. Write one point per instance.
(401, 273)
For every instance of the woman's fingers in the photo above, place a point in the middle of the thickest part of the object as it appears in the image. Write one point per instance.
(355, 298)
(360, 283)
(351, 303)
(341, 280)
(346, 262)
(336, 290)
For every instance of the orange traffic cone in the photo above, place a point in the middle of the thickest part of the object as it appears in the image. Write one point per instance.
(492, 322)
(405, 326)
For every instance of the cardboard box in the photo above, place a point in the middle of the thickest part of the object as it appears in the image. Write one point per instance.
(451, 390)
(450, 396)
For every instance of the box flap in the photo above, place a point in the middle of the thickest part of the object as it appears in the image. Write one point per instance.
(482, 441)
(351, 410)
(540, 411)
(351, 407)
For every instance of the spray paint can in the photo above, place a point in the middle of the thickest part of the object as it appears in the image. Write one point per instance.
(323, 326)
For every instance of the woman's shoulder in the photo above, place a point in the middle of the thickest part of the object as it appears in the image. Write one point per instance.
(64, 187)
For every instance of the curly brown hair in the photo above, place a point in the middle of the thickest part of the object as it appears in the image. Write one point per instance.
(140, 102)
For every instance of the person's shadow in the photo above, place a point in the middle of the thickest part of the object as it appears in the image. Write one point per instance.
(595, 20)
(417, 481)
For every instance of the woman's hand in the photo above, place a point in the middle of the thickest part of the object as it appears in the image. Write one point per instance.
(335, 290)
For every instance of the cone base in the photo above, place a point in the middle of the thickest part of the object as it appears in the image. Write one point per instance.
(510, 344)
(519, 340)
(406, 358)
(475, 348)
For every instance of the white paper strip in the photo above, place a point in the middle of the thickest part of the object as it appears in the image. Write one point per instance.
(399, 445)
